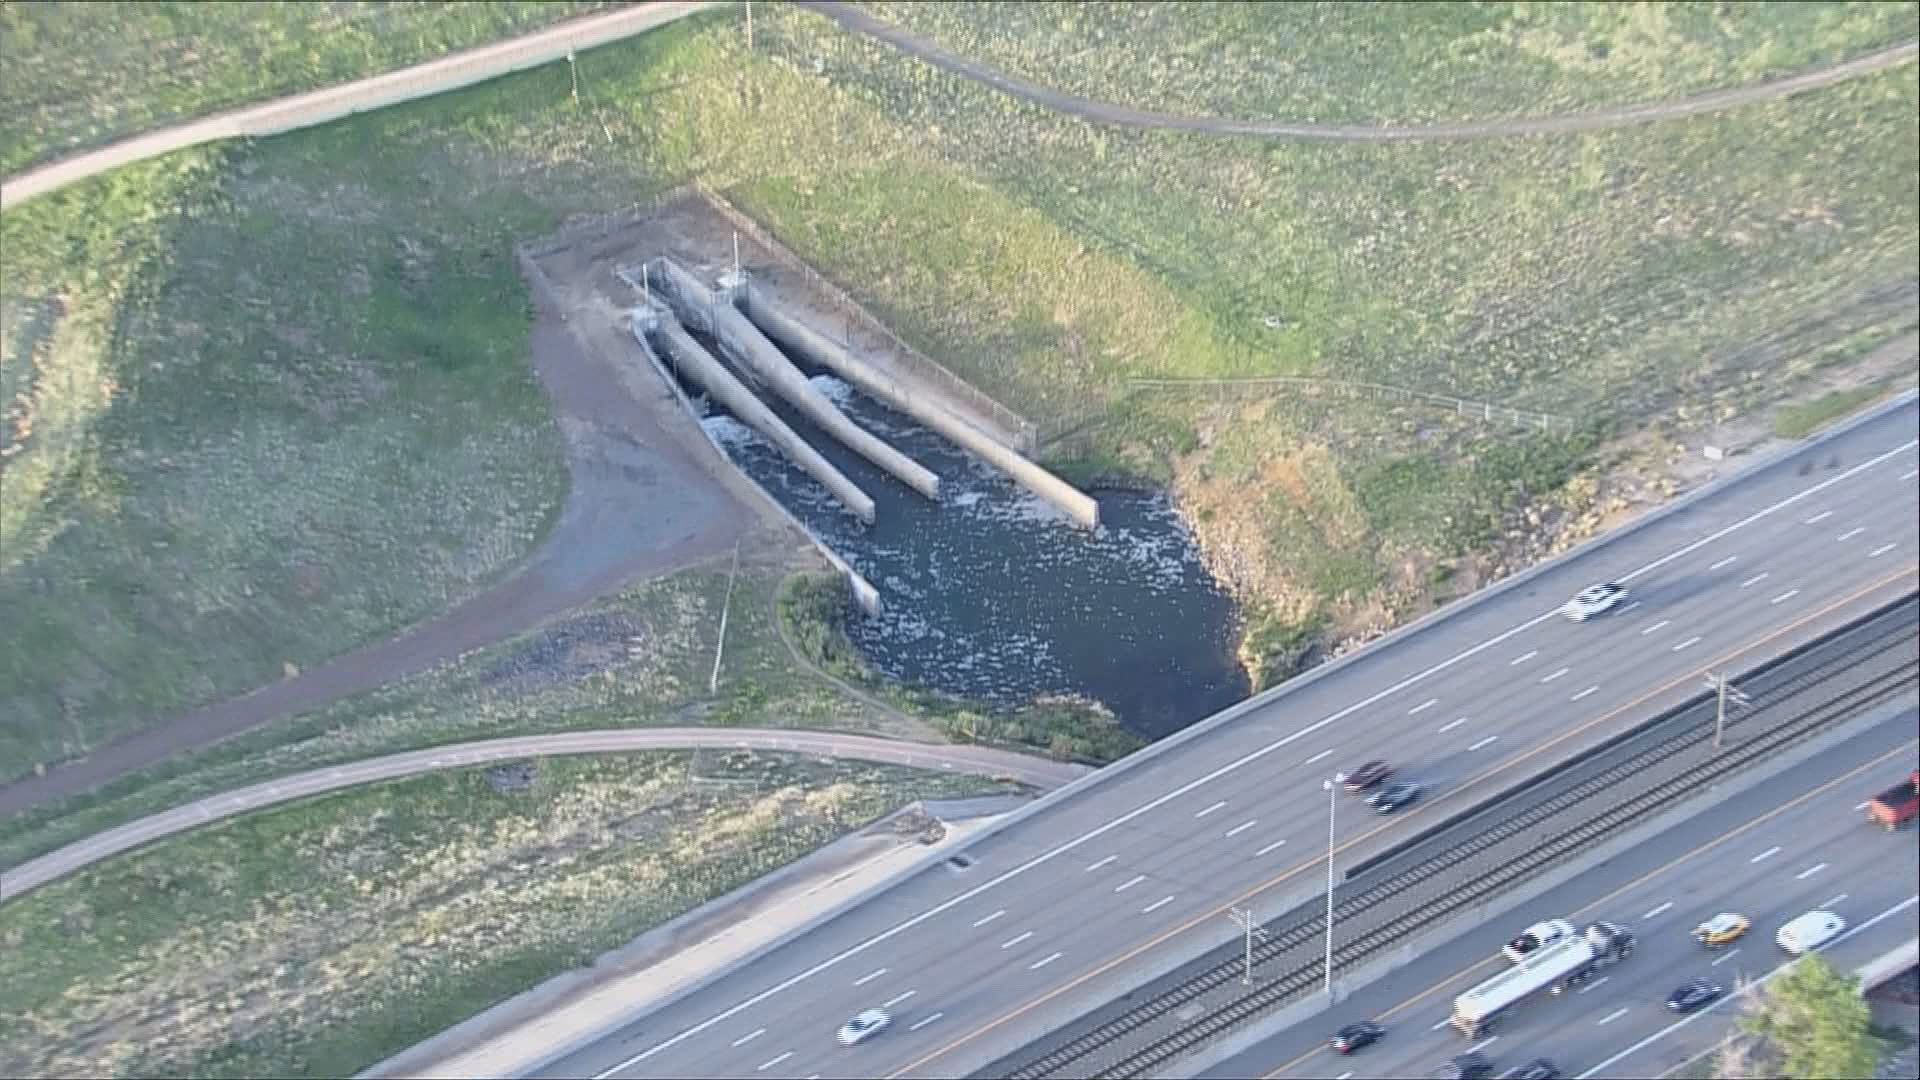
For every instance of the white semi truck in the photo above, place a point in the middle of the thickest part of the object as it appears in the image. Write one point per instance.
(1569, 961)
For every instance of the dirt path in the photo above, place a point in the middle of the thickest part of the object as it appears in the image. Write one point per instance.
(330, 103)
(1122, 116)
(973, 760)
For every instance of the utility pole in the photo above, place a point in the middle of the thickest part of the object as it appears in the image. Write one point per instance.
(749, 27)
(1244, 920)
(575, 73)
(1723, 690)
(1332, 797)
(713, 683)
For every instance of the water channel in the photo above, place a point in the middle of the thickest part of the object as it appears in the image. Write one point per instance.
(993, 595)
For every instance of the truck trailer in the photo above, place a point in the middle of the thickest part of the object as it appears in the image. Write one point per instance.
(1897, 805)
(1567, 962)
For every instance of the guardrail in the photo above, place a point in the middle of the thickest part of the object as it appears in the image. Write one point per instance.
(1871, 660)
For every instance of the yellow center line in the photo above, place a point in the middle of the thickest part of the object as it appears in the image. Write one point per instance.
(1469, 787)
(1905, 748)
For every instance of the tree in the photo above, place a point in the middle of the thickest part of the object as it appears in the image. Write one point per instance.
(1815, 1023)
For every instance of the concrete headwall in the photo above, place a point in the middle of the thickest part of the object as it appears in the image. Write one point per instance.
(753, 350)
(817, 347)
(864, 594)
(700, 366)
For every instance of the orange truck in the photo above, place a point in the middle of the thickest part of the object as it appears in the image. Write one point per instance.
(1897, 805)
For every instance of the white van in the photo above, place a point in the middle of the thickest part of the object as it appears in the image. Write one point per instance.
(1810, 931)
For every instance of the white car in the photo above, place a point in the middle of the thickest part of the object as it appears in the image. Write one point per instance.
(1537, 937)
(863, 1027)
(1593, 600)
(1810, 931)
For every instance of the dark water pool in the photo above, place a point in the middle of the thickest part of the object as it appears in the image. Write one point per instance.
(992, 594)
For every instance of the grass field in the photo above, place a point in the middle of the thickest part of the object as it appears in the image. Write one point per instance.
(638, 659)
(81, 75)
(234, 461)
(317, 939)
(1351, 63)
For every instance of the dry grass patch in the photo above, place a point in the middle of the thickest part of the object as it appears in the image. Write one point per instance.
(316, 939)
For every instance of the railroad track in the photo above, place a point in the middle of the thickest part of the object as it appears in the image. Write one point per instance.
(1860, 666)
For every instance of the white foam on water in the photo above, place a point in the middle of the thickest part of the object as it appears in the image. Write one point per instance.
(833, 389)
(730, 433)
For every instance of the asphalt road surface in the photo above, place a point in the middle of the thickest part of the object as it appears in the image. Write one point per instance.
(1116, 883)
(1796, 844)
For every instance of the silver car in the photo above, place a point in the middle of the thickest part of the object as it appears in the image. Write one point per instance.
(1593, 600)
(863, 1027)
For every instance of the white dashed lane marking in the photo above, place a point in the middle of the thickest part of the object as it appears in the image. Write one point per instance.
(897, 999)
(1879, 551)
(765, 1065)
(1521, 659)
(1754, 580)
(1483, 742)
(1242, 827)
(749, 1036)
(1614, 1015)
(1101, 863)
(1451, 724)
(1015, 941)
(1819, 517)
(869, 976)
(1655, 627)
(1850, 534)
(1687, 644)
(923, 1023)
(1130, 883)
(1724, 957)
(1156, 905)
(1809, 871)
(1043, 962)
(1583, 693)
(1788, 595)
(1767, 854)
(1728, 561)
(1276, 845)
(1555, 675)
(1657, 910)
(1212, 808)
(1321, 756)
(1423, 706)
(984, 921)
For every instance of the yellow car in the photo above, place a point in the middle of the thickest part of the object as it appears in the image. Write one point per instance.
(1722, 929)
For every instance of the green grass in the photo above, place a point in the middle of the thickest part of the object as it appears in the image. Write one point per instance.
(81, 75)
(170, 554)
(1799, 421)
(317, 939)
(641, 658)
(1351, 63)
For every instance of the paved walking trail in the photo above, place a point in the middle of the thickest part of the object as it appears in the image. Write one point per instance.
(972, 760)
(1104, 112)
(330, 103)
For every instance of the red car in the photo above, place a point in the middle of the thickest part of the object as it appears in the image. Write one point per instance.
(1368, 775)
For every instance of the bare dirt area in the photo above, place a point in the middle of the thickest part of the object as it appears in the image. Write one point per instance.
(646, 498)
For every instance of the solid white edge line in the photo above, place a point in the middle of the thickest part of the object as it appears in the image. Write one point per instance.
(1230, 767)
(1751, 987)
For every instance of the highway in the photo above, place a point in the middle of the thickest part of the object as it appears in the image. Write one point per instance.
(1123, 879)
(1785, 847)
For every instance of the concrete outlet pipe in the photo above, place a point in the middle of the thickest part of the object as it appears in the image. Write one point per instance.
(817, 347)
(751, 348)
(699, 365)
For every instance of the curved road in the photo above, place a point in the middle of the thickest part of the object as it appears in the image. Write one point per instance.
(1079, 898)
(1104, 112)
(973, 760)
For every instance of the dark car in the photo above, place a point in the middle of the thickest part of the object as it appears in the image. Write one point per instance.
(1538, 1069)
(1472, 1065)
(1393, 797)
(1693, 995)
(1354, 1036)
(1368, 775)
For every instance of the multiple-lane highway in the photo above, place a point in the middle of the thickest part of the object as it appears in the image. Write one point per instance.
(1788, 846)
(1111, 884)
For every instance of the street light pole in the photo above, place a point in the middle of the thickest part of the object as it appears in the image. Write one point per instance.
(1332, 801)
(1723, 691)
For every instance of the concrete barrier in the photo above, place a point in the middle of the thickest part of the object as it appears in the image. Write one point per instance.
(700, 366)
(1889, 964)
(751, 349)
(793, 332)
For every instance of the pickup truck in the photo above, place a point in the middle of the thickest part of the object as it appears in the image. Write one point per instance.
(1897, 805)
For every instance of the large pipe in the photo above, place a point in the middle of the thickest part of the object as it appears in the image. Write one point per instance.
(817, 347)
(763, 358)
(698, 364)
